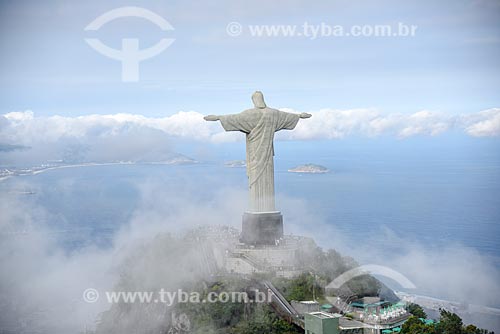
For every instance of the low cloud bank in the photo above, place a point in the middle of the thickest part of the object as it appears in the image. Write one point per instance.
(42, 284)
(23, 136)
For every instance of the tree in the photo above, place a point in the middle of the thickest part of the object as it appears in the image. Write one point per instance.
(416, 326)
(449, 323)
(417, 310)
(264, 320)
(301, 288)
(471, 329)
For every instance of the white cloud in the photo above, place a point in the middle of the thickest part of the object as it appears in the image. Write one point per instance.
(133, 137)
(485, 123)
(332, 124)
(25, 128)
(118, 137)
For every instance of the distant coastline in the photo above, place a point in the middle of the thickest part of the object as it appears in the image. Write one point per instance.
(10, 172)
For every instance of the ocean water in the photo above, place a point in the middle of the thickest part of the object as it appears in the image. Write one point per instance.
(435, 193)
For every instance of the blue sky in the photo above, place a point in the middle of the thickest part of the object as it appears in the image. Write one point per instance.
(451, 65)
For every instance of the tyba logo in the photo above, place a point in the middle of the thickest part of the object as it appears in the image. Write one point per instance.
(130, 55)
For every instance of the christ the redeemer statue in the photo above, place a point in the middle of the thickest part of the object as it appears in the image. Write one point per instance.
(259, 124)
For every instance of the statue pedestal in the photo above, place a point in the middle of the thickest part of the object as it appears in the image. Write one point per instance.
(261, 228)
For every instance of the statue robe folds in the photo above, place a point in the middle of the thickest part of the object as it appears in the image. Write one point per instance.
(260, 124)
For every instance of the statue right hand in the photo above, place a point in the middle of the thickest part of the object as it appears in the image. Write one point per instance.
(211, 118)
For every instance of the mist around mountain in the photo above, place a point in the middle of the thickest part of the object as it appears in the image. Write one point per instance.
(185, 263)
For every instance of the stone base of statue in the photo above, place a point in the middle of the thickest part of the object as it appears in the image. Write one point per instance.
(261, 228)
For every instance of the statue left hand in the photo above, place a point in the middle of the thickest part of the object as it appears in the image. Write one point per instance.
(305, 115)
(211, 118)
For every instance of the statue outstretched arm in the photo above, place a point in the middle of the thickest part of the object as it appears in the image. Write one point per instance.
(288, 121)
(234, 122)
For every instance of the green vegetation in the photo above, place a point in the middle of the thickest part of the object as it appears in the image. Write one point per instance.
(303, 287)
(415, 325)
(233, 318)
(449, 323)
(417, 311)
(263, 320)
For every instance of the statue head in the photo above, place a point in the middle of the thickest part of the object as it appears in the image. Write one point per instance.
(258, 100)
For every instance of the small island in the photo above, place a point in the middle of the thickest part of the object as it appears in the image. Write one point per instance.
(177, 159)
(309, 168)
(235, 164)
